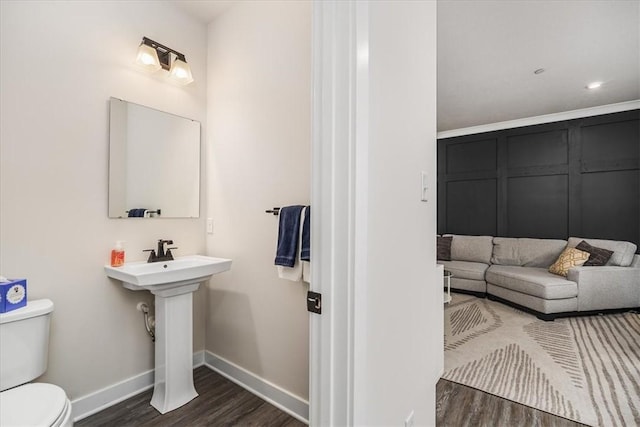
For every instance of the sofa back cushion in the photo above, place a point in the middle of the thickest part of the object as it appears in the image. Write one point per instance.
(471, 248)
(526, 252)
(622, 251)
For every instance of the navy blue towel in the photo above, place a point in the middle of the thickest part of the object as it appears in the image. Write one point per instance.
(136, 213)
(288, 235)
(305, 252)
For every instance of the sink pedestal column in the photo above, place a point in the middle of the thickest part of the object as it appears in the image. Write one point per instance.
(174, 348)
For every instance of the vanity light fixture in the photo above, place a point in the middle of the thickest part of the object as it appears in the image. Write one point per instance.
(153, 56)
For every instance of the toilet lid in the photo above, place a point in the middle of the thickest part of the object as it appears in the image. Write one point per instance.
(35, 404)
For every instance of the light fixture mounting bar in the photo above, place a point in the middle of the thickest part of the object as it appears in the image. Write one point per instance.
(163, 52)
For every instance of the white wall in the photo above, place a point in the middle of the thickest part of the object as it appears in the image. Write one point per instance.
(60, 63)
(258, 149)
(399, 346)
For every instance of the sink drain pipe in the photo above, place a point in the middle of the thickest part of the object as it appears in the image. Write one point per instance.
(149, 321)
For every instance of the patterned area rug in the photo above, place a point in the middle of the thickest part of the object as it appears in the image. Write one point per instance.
(586, 369)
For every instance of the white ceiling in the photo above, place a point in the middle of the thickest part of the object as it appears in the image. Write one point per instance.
(488, 51)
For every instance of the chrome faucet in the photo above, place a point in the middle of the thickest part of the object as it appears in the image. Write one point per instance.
(161, 255)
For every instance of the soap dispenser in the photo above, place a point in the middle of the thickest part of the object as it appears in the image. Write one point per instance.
(117, 255)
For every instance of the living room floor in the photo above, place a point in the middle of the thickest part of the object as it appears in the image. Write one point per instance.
(461, 406)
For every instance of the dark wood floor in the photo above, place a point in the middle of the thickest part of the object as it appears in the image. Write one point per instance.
(220, 403)
(224, 403)
(461, 406)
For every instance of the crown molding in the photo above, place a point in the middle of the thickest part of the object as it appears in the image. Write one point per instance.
(547, 118)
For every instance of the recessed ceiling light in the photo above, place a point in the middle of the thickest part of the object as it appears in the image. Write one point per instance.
(594, 85)
(539, 71)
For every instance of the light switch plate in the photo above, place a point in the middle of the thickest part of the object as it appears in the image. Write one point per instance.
(424, 182)
(210, 225)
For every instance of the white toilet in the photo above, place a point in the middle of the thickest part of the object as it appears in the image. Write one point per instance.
(24, 347)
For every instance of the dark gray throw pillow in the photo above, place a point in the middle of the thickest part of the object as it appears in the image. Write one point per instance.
(597, 256)
(444, 248)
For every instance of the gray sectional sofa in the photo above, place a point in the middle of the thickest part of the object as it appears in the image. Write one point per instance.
(516, 271)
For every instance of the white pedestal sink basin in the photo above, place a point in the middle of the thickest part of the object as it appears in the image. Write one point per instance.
(172, 283)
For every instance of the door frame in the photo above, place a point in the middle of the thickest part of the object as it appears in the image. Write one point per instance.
(339, 188)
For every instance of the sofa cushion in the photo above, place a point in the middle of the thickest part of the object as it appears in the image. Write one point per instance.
(569, 258)
(526, 252)
(597, 256)
(444, 248)
(622, 251)
(471, 248)
(534, 281)
(466, 269)
(540, 305)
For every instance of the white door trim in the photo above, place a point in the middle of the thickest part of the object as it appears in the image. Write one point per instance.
(340, 128)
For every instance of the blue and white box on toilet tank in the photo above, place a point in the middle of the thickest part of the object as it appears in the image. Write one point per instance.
(13, 294)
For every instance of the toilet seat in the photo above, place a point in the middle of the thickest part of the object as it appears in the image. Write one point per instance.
(35, 404)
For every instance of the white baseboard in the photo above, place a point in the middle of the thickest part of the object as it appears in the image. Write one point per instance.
(92, 403)
(275, 395)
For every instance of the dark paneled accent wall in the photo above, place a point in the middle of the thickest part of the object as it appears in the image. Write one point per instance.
(573, 178)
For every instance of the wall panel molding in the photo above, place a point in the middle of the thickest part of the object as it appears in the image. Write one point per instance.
(576, 177)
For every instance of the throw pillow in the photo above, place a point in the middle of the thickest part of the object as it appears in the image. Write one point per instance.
(570, 257)
(444, 248)
(597, 256)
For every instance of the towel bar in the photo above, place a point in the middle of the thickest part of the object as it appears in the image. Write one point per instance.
(159, 212)
(274, 211)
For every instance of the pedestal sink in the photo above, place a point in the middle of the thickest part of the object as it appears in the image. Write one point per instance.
(172, 283)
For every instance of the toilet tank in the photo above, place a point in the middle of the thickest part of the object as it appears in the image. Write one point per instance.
(24, 343)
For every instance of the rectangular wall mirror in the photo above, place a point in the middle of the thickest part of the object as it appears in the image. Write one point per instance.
(154, 163)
